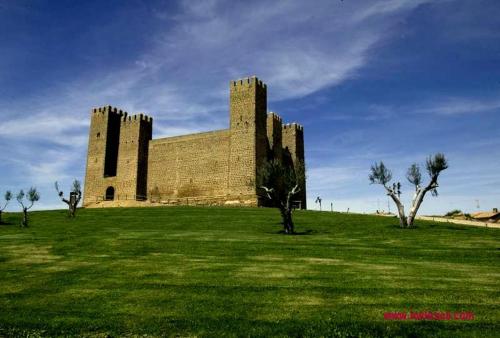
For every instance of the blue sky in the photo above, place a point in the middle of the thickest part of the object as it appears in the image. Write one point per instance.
(369, 80)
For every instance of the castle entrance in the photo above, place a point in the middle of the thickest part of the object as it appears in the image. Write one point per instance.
(110, 194)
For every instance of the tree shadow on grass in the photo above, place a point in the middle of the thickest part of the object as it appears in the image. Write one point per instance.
(396, 226)
(298, 233)
(308, 232)
(448, 226)
(433, 226)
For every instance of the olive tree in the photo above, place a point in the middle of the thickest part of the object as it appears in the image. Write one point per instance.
(32, 196)
(74, 196)
(380, 174)
(7, 197)
(281, 183)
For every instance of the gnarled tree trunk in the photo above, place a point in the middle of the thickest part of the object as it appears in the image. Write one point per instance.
(288, 222)
(401, 209)
(285, 207)
(71, 206)
(286, 215)
(72, 210)
(418, 199)
(24, 222)
(74, 197)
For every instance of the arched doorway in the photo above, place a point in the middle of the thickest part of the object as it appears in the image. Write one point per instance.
(110, 194)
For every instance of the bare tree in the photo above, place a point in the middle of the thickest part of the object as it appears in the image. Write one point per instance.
(8, 197)
(74, 197)
(318, 200)
(281, 183)
(32, 196)
(381, 175)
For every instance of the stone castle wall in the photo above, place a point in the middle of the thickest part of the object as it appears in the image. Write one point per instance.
(187, 166)
(125, 165)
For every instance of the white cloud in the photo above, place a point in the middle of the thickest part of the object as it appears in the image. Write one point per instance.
(295, 47)
(459, 105)
(57, 129)
(439, 105)
(331, 178)
(382, 8)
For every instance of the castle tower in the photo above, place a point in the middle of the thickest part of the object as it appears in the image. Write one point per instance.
(135, 134)
(117, 156)
(248, 139)
(102, 156)
(293, 151)
(274, 135)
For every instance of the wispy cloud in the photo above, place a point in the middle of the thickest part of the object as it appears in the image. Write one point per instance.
(63, 130)
(441, 105)
(383, 8)
(459, 105)
(333, 178)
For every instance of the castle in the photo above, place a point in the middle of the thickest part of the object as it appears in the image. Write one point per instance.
(125, 166)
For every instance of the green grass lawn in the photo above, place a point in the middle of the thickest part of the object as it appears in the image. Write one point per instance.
(229, 272)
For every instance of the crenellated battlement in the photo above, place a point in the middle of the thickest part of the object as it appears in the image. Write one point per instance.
(247, 82)
(275, 117)
(109, 109)
(137, 117)
(292, 126)
(124, 116)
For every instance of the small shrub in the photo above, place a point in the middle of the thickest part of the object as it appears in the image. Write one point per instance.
(453, 213)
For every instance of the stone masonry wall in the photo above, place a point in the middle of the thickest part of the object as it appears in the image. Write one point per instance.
(248, 141)
(188, 166)
(104, 121)
(274, 136)
(135, 135)
(293, 148)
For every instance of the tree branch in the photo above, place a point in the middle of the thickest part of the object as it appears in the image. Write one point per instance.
(295, 190)
(268, 191)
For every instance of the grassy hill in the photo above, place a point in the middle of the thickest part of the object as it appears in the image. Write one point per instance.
(229, 272)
